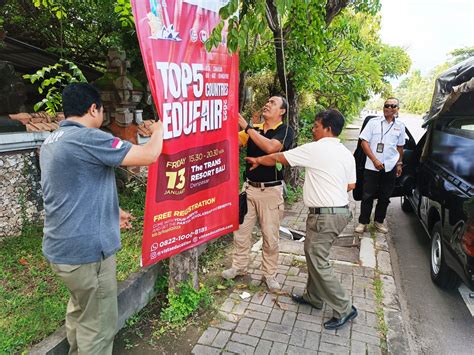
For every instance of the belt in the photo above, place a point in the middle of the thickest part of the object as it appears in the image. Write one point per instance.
(329, 210)
(264, 184)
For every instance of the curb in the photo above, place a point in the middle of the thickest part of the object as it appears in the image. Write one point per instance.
(397, 336)
(133, 294)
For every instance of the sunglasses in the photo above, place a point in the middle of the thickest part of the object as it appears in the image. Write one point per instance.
(390, 106)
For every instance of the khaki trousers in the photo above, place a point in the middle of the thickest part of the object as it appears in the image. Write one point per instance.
(267, 206)
(323, 285)
(92, 313)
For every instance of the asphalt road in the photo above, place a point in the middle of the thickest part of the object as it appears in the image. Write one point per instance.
(438, 320)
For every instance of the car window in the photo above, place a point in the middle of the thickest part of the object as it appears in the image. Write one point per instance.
(465, 123)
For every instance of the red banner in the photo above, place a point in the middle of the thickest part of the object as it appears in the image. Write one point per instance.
(192, 191)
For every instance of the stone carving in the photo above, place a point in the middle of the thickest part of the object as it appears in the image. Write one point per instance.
(121, 93)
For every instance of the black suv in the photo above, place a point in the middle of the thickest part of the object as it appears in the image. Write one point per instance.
(438, 177)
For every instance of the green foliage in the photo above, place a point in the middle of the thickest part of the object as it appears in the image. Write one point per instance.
(33, 301)
(461, 54)
(56, 8)
(124, 9)
(293, 193)
(185, 302)
(416, 90)
(52, 80)
(85, 36)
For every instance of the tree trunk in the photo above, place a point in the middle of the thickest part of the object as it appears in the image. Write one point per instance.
(242, 91)
(291, 175)
(184, 266)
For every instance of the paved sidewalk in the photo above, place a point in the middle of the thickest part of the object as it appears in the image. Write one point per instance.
(271, 323)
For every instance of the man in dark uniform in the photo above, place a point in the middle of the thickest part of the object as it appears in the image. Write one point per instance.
(264, 187)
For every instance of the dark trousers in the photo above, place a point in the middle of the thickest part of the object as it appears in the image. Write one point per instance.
(378, 183)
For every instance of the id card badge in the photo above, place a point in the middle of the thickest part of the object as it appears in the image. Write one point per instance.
(379, 147)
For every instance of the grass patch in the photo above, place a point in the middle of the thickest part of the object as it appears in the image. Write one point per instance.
(294, 193)
(381, 325)
(32, 299)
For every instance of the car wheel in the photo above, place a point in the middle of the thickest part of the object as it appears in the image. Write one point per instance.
(406, 205)
(441, 274)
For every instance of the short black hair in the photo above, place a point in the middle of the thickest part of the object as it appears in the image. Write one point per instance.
(78, 97)
(333, 119)
(393, 98)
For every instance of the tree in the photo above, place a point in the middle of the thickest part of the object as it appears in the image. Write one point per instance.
(80, 31)
(461, 54)
(325, 47)
(415, 91)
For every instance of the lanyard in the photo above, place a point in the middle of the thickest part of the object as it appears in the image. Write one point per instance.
(381, 129)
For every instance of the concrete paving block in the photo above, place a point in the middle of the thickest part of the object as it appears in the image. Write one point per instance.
(276, 316)
(369, 339)
(258, 297)
(227, 305)
(244, 325)
(358, 347)
(365, 329)
(239, 348)
(221, 339)
(205, 350)
(333, 349)
(373, 350)
(256, 332)
(381, 242)
(335, 339)
(308, 326)
(296, 350)
(313, 318)
(384, 263)
(259, 308)
(274, 336)
(208, 336)
(367, 253)
(263, 347)
(304, 309)
(298, 337)
(284, 329)
(397, 342)
(278, 348)
(222, 324)
(390, 294)
(289, 318)
(257, 315)
(245, 339)
(369, 272)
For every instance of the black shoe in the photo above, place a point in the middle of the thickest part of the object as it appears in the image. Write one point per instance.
(335, 323)
(301, 300)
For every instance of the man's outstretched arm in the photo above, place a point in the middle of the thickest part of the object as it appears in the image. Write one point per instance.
(267, 160)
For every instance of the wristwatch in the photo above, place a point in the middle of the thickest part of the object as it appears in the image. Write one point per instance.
(249, 126)
(400, 163)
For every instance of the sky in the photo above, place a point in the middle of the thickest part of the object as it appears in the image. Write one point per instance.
(428, 29)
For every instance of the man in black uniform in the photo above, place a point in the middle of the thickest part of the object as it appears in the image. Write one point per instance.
(264, 189)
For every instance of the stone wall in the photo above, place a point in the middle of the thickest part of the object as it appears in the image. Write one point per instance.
(21, 198)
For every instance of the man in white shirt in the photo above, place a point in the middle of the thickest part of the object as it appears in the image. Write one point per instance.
(383, 139)
(329, 174)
